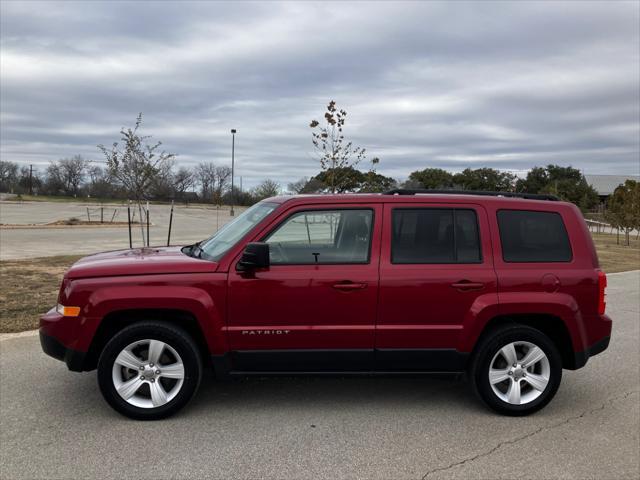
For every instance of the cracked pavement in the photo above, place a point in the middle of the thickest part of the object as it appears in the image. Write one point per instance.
(54, 424)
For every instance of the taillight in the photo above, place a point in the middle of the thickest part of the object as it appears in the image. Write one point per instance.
(602, 285)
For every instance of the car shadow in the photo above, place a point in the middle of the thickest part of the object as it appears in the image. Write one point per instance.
(318, 392)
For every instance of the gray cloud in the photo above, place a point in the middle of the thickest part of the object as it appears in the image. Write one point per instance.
(454, 85)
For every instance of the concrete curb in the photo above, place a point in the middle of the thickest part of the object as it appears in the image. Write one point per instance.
(621, 273)
(11, 336)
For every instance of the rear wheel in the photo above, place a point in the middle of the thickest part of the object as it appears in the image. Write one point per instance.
(516, 370)
(149, 370)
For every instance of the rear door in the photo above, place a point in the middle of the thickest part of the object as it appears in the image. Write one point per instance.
(436, 274)
(314, 308)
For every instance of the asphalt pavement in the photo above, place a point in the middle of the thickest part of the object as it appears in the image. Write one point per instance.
(189, 224)
(54, 423)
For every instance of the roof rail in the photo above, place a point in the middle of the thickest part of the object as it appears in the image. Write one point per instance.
(528, 196)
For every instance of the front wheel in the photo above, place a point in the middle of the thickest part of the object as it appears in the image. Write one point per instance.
(516, 370)
(149, 370)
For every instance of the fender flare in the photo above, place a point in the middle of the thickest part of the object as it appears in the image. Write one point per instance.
(195, 301)
(482, 311)
(559, 305)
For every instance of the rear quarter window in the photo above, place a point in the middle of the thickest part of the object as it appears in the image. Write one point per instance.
(530, 236)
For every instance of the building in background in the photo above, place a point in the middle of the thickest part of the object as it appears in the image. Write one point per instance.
(606, 184)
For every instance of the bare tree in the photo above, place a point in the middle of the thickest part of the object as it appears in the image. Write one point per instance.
(213, 181)
(183, 180)
(162, 181)
(205, 174)
(136, 163)
(100, 182)
(66, 175)
(334, 153)
(73, 171)
(267, 188)
(8, 175)
(298, 186)
(222, 178)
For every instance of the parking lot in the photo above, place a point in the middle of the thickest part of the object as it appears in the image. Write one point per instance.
(190, 224)
(54, 423)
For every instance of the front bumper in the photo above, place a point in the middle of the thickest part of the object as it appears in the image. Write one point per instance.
(75, 360)
(60, 338)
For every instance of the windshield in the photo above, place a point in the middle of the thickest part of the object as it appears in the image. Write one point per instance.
(216, 246)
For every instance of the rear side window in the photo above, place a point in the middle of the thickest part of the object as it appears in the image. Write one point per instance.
(529, 236)
(434, 235)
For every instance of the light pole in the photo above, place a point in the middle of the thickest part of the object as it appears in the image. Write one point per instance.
(233, 145)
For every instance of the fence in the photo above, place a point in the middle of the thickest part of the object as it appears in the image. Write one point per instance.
(145, 213)
(601, 227)
(100, 213)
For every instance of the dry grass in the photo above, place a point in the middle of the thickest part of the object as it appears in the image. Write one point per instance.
(30, 287)
(614, 257)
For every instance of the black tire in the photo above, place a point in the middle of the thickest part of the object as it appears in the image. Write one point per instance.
(171, 335)
(490, 345)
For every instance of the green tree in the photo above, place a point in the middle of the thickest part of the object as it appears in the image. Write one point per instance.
(568, 183)
(537, 179)
(488, 179)
(313, 185)
(432, 178)
(373, 182)
(335, 154)
(623, 208)
(340, 179)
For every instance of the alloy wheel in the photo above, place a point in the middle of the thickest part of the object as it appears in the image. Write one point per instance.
(519, 373)
(148, 373)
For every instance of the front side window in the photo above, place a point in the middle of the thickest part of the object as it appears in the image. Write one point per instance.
(225, 238)
(434, 235)
(322, 237)
(529, 236)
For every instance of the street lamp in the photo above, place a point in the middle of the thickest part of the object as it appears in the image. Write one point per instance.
(233, 145)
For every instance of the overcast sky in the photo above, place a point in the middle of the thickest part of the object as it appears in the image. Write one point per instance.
(508, 85)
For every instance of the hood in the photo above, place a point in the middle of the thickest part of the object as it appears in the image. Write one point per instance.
(139, 261)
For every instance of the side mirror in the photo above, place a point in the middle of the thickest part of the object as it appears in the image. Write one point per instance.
(255, 255)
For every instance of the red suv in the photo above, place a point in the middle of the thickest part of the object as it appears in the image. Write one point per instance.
(503, 286)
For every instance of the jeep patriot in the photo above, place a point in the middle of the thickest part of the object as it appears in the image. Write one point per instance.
(503, 287)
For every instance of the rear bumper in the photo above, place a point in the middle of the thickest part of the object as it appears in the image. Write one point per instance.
(600, 327)
(75, 360)
(581, 358)
(599, 346)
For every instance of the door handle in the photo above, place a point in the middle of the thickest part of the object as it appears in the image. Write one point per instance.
(466, 285)
(348, 286)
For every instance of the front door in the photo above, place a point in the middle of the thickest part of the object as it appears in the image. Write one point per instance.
(436, 278)
(314, 308)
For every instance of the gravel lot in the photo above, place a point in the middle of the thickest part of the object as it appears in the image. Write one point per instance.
(54, 424)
